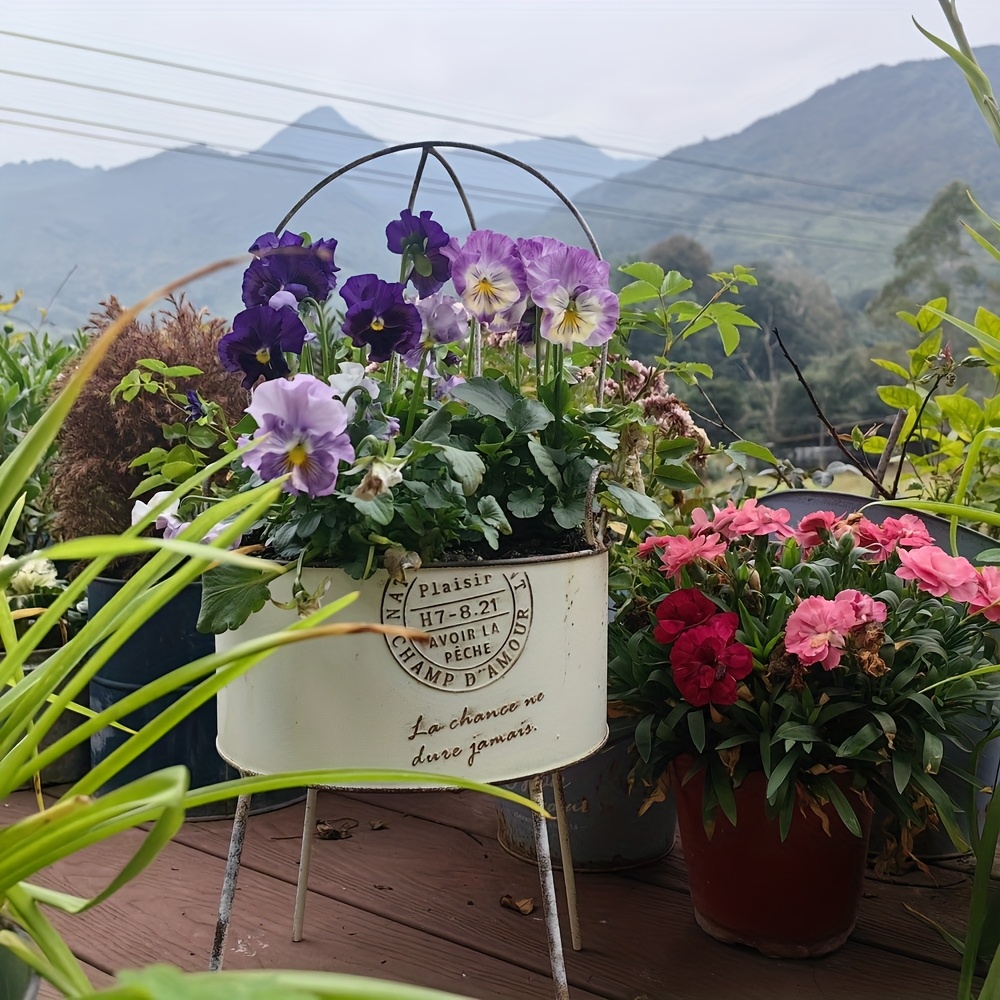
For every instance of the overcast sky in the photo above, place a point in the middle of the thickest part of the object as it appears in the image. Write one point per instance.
(628, 75)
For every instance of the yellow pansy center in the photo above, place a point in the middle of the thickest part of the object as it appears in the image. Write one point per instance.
(298, 456)
(572, 323)
(378, 324)
(263, 355)
(487, 290)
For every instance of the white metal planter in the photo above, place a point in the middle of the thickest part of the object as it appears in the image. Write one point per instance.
(512, 682)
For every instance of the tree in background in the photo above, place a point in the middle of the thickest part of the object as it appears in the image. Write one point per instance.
(933, 261)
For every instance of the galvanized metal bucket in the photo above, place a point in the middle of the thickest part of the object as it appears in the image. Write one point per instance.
(606, 832)
(512, 682)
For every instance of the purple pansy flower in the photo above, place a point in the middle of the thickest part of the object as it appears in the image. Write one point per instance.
(421, 239)
(444, 318)
(286, 271)
(302, 432)
(487, 273)
(195, 407)
(258, 339)
(570, 286)
(377, 315)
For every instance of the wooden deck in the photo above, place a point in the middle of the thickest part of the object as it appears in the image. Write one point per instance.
(414, 895)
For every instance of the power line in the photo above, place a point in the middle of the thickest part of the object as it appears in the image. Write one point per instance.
(568, 171)
(517, 199)
(440, 116)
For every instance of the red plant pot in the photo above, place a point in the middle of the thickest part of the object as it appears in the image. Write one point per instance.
(797, 898)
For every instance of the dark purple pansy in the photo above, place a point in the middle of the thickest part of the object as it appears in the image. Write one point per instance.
(419, 240)
(526, 328)
(195, 407)
(258, 340)
(286, 271)
(378, 316)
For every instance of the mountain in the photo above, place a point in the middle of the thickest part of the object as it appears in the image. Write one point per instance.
(126, 230)
(830, 185)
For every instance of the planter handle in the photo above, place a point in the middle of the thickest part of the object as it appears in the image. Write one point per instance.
(595, 528)
(431, 149)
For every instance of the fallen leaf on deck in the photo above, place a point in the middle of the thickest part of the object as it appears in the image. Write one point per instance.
(377, 824)
(524, 906)
(337, 830)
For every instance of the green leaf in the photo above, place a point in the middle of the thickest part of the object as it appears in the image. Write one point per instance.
(891, 366)
(781, 772)
(636, 292)
(202, 436)
(864, 737)
(568, 512)
(674, 283)
(527, 415)
(676, 476)
(901, 397)
(524, 502)
(486, 395)
(492, 513)
(798, 732)
(754, 450)
(696, 727)
(635, 504)
(466, 466)
(645, 271)
(932, 752)
(380, 509)
(901, 770)
(545, 462)
(229, 596)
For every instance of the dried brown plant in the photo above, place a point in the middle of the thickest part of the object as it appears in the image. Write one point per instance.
(92, 483)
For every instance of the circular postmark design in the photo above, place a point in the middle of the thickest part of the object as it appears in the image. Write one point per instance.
(478, 621)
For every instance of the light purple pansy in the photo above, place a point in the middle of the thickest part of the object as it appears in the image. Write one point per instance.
(488, 274)
(301, 431)
(570, 286)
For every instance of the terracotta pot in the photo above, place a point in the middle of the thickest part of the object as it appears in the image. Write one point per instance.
(796, 898)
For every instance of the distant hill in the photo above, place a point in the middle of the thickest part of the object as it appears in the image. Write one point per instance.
(124, 231)
(873, 149)
(830, 185)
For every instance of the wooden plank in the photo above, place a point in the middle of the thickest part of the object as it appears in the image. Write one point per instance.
(639, 938)
(168, 915)
(98, 979)
(883, 921)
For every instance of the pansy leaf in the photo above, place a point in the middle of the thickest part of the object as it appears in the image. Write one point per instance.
(466, 466)
(568, 512)
(379, 509)
(492, 513)
(605, 437)
(486, 395)
(230, 595)
(524, 502)
(527, 415)
(546, 464)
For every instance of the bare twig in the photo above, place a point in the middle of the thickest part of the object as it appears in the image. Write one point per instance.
(890, 446)
(864, 470)
(913, 430)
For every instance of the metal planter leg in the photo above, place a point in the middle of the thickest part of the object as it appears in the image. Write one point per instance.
(229, 884)
(305, 861)
(549, 908)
